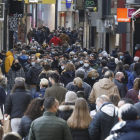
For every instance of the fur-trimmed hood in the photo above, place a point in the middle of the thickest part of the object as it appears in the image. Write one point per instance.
(66, 107)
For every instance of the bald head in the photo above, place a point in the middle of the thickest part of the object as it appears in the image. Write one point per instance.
(119, 76)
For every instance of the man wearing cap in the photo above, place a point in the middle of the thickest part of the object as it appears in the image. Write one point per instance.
(9, 60)
(129, 126)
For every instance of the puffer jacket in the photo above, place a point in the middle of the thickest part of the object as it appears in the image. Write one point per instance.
(49, 127)
(80, 134)
(67, 77)
(103, 122)
(63, 38)
(104, 86)
(8, 61)
(17, 103)
(24, 127)
(125, 130)
(65, 111)
(12, 75)
(55, 40)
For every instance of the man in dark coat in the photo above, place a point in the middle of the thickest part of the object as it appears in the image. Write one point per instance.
(129, 126)
(111, 64)
(119, 79)
(104, 120)
(50, 127)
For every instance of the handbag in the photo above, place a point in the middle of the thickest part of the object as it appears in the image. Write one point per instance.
(7, 125)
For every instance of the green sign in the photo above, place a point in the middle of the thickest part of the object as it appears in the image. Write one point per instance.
(90, 3)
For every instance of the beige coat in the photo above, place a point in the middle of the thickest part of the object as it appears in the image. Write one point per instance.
(103, 87)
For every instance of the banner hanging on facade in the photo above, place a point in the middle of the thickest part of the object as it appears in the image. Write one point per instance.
(13, 23)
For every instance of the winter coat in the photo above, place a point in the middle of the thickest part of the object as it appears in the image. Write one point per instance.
(104, 86)
(121, 87)
(17, 103)
(67, 77)
(40, 94)
(63, 38)
(114, 54)
(90, 81)
(65, 111)
(86, 70)
(99, 70)
(12, 75)
(80, 134)
(128, 74)
(55, 40)
(8, 61)
(133, 95)
(24, 127)
(33, 73)
(49, 127)
(132, 67)
(55, 64)
(95, 66)
(137, 105)
(22, 60)
(137, 53)
(128, 59)
(103, 122)
(131, 79)
(64, 47)
(27, 67)
(56, 91)
(111, 65)
(125, 130)
(2, 97)
(87, 88)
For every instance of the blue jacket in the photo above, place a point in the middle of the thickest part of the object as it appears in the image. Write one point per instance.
(131, 79)
(40, 94)
(126, 130)
(128, 74)
(22, 60)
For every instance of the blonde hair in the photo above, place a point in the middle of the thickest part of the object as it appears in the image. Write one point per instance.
(93, 73)
(1, 75)
(80, 118)
(78, 82)
(137, 84)
(44, 82)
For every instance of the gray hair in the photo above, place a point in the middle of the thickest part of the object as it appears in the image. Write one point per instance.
(80, 73)
(20, 79)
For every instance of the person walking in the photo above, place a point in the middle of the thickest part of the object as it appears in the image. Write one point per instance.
(56, 90)
(50, 127)
(17, 103)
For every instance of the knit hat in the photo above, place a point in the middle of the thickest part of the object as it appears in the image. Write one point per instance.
(71, 97)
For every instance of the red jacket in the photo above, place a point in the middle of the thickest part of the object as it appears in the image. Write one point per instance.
(55, 40)
(137, 53)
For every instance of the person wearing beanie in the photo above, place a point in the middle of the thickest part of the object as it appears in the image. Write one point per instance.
(66, 109)
(129, 126)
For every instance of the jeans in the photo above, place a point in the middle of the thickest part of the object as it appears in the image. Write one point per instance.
(15, 124)
(33, 91)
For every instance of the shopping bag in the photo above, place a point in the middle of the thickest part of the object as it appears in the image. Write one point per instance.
(7, 125)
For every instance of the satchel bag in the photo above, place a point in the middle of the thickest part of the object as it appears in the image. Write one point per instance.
(7, 125)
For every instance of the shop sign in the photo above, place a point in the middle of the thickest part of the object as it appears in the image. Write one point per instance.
(122, 15)
(90, 3)
(68, 3)
(13, 23)
(130, 12)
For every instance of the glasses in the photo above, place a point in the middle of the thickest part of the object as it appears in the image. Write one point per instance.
(89, 2)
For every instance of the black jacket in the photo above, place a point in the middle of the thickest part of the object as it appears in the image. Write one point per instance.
(2, 97)
(121, 87)
(128, 59)
(90, 81)
(126, 130)
(65, 111)
(103, 122)
(55, 64)
(137, 105)
(111, 65)
(17, 103)
(80, 134)
(67, 77)
(24, 127)
(33, 73)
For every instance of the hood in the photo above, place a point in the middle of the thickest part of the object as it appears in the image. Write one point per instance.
(111, 64)
(66, 107)
(69, 74)
(106, 83)
(9, 53)
(109, 110)
(126, 126)
(24, 57)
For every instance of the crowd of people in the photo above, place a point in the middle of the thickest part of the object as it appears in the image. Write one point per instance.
(59, 90)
